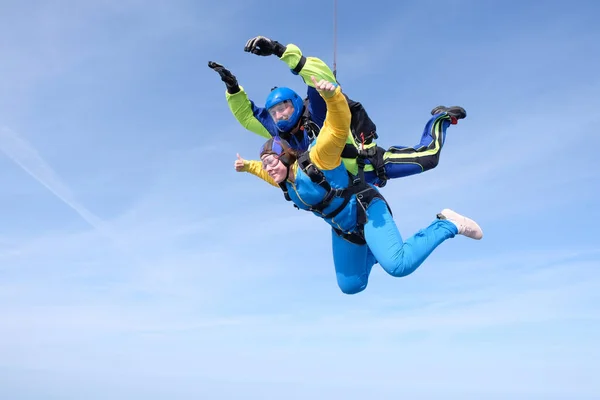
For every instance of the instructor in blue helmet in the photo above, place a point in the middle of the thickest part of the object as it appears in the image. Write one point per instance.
(304, 124)
(363, 230)
(362, 156)
(285, 107)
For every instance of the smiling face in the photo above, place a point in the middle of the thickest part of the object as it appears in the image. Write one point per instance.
(282, 111)
(285, 108)
(274, 167)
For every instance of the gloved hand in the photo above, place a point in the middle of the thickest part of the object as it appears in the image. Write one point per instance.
(226, 76)
(263, 46)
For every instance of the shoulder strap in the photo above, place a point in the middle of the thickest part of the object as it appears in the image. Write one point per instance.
(311, 129)
(317, 176)
(283, 187)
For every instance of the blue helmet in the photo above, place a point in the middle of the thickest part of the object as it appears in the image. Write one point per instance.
(279, 95)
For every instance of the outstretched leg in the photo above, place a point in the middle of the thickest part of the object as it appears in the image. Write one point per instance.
(400, 161)
(401, 258)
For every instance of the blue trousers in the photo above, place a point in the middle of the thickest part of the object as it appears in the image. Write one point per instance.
(385, 246)
(401, 161)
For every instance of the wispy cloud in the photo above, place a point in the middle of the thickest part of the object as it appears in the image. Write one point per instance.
(25, 156)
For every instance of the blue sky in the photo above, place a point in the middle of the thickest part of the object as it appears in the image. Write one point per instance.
(136, 263)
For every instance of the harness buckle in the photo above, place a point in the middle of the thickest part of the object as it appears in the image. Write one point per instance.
(366, 153)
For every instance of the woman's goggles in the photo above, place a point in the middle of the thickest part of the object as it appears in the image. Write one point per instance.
(270, 160)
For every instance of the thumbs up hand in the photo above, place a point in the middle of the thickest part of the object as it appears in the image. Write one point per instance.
(324, 87)
(239, 163)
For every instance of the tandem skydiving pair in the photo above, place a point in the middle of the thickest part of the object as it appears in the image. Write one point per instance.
(299, 121)
(316, 175)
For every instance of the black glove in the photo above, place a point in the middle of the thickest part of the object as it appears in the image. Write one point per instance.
(226, 76)
(263, 46)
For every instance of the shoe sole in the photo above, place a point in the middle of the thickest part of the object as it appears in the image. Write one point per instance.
(461, 114)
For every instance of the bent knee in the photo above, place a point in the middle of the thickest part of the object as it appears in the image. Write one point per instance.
(399, 272)
(351, 285)
(431, 162)
(397, 269)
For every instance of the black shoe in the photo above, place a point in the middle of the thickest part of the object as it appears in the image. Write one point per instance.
(453, 111)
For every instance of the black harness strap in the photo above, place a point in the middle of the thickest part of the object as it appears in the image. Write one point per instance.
(364, 198)
(317, 176)
(375, 157)
(311, 128)
(307, 125)
(365, 194)
(285, 191)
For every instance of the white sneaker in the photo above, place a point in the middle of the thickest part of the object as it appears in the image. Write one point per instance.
(466, 226)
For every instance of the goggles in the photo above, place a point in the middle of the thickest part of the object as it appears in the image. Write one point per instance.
(270, 160)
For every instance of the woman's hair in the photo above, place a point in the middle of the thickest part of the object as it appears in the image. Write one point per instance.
(281, 148)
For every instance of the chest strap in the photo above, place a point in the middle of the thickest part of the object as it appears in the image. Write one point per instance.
(364, 192)
(317, 176)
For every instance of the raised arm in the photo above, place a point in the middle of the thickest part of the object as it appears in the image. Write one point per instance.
(306, 67)
(255, 119)
(327, 151)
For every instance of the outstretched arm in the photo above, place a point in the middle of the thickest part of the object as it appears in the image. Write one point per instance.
(255, 168)
(254, 119)
(327, 151)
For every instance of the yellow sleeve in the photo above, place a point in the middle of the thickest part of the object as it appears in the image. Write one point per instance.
(255, 168)
(327, 151)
